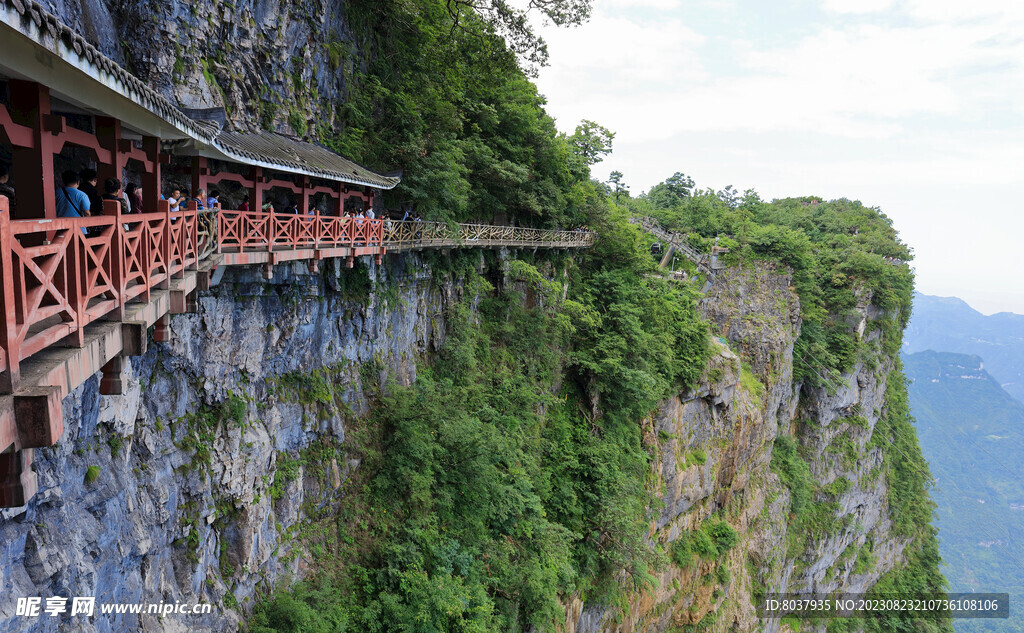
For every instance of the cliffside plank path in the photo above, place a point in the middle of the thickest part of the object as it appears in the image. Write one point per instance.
(75, 302)
(707, 264)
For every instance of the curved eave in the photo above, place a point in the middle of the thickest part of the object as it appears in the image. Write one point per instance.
(255, 159)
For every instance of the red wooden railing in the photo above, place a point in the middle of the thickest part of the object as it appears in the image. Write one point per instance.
(61, 274)
(240, 230)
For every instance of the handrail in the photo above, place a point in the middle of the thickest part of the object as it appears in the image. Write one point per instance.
(702, 260)
(61, 274)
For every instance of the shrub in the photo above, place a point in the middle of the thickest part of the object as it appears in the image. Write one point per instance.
(92, 474)
(794, 472)
(680, 552)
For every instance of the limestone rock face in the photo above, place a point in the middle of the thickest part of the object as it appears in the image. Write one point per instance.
(270, 64)
(200, 485)
(713, 458)
(209, 519)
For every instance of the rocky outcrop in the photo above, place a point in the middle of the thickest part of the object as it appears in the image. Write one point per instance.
(713, 462)
(267, 64)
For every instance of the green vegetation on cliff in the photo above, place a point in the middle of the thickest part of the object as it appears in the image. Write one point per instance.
(484, 494)
(840, 252)
(451, 107)
(514, 471)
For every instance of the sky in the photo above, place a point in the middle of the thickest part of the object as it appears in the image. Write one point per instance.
(911, 106)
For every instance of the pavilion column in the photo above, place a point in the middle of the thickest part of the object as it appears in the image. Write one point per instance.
(108, 133)
(151, 181)
(200, 176)
(339, 202)
(256, 197)
(305, 195)
(33, 177)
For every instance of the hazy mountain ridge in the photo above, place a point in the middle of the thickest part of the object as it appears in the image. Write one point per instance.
(949, 324)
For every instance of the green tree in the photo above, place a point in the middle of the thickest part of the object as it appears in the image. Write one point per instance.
(618, 188)
(511, 21)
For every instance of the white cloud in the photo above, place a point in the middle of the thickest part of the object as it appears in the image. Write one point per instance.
(661, 5)
(857, 6)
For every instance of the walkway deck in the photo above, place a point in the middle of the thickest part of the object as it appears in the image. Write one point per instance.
(76, 304)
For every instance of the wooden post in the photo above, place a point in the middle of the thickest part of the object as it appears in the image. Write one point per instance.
(305, 195)
(10, 379)
(108, 133)
(151, 180)
(76, 284)
(256, 198)
(34, 178)
(165, 243)
(117, 255)
(200, 176)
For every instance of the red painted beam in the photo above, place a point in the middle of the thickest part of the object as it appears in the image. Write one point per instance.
(17, 135)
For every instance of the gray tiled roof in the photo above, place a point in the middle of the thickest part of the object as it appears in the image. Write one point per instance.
(271, 149)
(300, 157)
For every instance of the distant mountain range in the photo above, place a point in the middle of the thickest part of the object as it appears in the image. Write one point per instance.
(972, 433)
(948, 324)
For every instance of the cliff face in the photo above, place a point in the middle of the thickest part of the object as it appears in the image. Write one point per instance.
(713, 462)
(191, 486)
(268, 63)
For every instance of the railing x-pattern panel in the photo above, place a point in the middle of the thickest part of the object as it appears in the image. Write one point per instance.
(61, 274)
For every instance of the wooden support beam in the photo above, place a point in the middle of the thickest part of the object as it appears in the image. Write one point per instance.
(112, 381)
(108, 133)
(204, 278)
(179, 301)
(18, 483)
(151, 180)
(256, 194)
(162, 330)
(134, 338)
(39, 415)
(200, 175)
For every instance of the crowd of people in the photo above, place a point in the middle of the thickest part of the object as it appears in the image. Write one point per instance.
(78, 196)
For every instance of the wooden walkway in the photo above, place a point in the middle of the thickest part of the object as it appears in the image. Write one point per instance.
(76, 302)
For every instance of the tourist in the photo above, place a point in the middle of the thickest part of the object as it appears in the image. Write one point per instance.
(71, 203)
(87, 186)
(112, 191)
(214, 200)
(268, 207)
(245, 204)
(200, 199)
(6, 189)
(133, 193)
(370, 214)
(175, 200)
